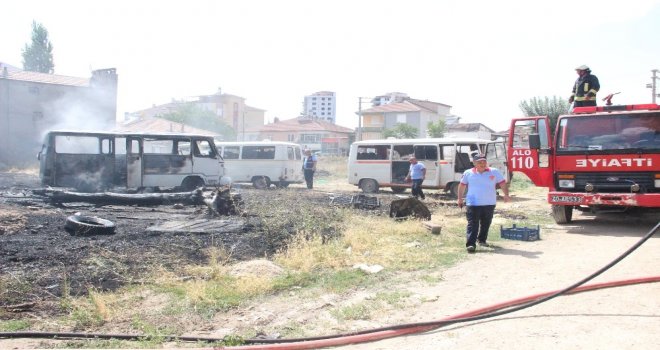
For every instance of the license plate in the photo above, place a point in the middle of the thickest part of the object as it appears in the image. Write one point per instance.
(569, 199)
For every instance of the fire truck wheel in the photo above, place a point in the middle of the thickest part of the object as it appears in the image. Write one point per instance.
(563, 214)
(89, 225)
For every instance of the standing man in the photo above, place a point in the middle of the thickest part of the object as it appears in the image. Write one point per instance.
(309, 167)
(417, 173)
(585, 88)
(481, 182)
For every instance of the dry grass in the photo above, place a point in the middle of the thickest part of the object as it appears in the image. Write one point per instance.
(12, 221)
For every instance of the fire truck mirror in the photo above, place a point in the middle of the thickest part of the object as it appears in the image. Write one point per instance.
(534, 141)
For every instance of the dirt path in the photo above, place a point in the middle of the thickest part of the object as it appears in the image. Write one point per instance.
(617, 318)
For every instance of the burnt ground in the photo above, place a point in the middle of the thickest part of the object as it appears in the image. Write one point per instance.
(41, 261)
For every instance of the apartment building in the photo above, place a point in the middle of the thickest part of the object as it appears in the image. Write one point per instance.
(321, 105)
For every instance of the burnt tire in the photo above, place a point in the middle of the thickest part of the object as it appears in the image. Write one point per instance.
(89, 225)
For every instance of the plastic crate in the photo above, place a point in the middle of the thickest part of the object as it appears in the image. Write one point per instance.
(521, 233)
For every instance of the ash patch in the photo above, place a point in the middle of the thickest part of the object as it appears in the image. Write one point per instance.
(41, 261)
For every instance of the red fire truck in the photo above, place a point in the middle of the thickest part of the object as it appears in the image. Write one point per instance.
(604, 158)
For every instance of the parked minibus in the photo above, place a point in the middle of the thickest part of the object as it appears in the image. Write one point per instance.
(93, 161)
(262, 163)
(374, 164)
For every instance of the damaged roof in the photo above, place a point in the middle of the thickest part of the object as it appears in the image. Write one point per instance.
(12, 73)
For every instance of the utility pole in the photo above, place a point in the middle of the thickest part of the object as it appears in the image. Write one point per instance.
(652, 86)
(359, 136)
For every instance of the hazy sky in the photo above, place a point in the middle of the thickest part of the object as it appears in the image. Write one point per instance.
(481, 57)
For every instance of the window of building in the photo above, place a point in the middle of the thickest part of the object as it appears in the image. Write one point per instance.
(310, 138)
(401, 118)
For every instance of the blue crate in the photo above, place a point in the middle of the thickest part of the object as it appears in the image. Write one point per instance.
(521, 233)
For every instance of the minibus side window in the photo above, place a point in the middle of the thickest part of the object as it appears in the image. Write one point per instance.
(403, 152)
(426, 152)
(258, 152)
(291, 154)
(231, 152)
(183, 148)
(156, 146)
(68, 144)
(203, 149)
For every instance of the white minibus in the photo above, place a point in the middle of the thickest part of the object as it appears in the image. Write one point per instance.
(262, 163)
(92, 161)
(374, 164)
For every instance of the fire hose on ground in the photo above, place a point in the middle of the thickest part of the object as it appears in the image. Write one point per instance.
(390, 331)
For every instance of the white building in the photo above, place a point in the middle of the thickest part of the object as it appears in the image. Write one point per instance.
(321, 105)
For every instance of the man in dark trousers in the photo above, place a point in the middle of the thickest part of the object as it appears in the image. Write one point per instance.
(481, 182)
(309, 167)
(416, 174)
(585, 88)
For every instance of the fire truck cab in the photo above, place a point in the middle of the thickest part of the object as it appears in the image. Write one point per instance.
(604, 158)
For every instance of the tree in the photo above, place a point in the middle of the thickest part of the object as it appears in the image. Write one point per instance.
(195, 116)
(401, 131)
(436, 129)
(38, 57)
(538, 106)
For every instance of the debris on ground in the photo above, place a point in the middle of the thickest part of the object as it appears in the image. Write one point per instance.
(359, 201)
(410, 206)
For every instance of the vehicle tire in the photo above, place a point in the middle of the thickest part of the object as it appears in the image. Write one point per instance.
(453, 189)
(563, 214)
(282, 184)
(398, 189)
(89, 225)
(369, 186)
(191, 183)
(260, 182)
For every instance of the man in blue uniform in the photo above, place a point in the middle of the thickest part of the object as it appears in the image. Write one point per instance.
(416, 173)
(309, 167)
(481, 182)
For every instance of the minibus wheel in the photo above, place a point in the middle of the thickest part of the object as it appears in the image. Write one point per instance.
(260, 182)
(398, 189)
(191, 183)
(369, 186)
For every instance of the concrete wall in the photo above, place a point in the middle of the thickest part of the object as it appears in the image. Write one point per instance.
(29, 109)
